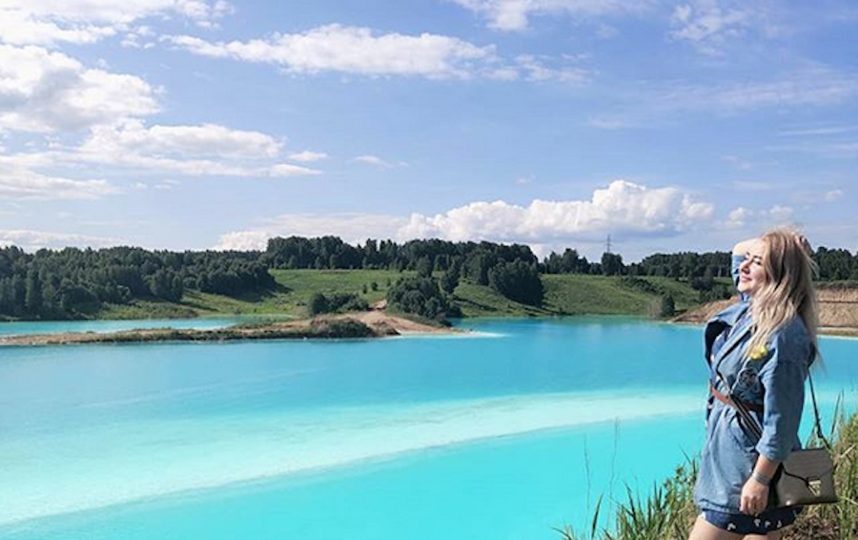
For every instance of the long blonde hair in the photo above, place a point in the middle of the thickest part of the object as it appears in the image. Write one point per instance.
(788, 290)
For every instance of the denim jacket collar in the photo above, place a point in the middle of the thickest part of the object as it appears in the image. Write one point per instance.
(728, 318)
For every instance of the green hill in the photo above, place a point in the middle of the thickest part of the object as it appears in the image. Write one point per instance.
(565, 294)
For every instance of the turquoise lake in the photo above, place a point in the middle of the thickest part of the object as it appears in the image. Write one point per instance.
(505, 433)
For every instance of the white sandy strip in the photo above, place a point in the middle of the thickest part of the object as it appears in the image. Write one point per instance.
(112, 464)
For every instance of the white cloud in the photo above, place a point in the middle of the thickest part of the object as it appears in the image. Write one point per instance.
(379, 162)
(708, 24)
(351, 227)
(608, 123)
(205, 150)
(17, 183)
(514, 14)
(308, 156)
(46, 22)
(347, 49)
(18, 27)
(30, 240)
(190, 167)
(742, 217)
(287, 169)
(833, 195)
(623, 207)
(738, 218)
(243, 241)
(779, 213)
(132, 136)
(166, 185)
(817, 86)
(818, 131)
(44, 91)
(535, 69)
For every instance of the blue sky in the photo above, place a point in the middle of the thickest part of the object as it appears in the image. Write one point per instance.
(192, 124)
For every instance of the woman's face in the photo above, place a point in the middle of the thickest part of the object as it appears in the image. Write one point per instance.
(752, 272)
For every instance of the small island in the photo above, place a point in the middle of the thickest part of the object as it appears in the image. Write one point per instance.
(369, 324)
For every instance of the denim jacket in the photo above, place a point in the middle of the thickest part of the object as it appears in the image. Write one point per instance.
(772, 379)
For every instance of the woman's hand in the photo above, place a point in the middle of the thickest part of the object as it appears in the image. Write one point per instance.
(744, 246)
(755, 498)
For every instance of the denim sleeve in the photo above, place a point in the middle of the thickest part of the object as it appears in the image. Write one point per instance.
(734, 273)
(783, 380)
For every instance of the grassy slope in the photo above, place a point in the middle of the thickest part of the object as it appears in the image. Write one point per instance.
(564, 295)
(578, 295)
(293, 291)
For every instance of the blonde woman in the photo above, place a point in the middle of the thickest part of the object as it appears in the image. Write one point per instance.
(758, 350)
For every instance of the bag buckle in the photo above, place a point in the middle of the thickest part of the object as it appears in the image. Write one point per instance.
(815, 486)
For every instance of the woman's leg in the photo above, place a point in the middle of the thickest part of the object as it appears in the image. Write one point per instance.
(703, 530)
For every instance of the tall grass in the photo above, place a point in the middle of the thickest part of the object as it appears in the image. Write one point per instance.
(835, 521)
(668, 511)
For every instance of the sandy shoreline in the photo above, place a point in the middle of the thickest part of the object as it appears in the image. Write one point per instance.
(350, 325)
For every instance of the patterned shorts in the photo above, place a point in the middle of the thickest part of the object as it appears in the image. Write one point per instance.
(768, 521)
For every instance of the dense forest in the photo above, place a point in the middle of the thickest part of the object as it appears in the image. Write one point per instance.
(74, 283)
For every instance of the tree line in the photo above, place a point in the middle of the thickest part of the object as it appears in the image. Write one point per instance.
(71, 283)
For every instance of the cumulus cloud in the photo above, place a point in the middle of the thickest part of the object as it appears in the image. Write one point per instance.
(351, 227)
(622, 207)
(17, 27)
(742, 217)
(243, 241)
(348, 49)
(512, 15)
(31, 240)
(47, 22)
(18, 183)
(44, 91)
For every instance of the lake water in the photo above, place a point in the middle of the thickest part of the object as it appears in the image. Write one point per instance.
(57, 327)
(504, 434)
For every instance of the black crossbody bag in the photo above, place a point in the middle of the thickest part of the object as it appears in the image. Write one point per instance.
(807, 475)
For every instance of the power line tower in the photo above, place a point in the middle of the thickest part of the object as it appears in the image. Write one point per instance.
(608, 244)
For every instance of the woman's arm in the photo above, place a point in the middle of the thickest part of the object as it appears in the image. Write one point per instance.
(755, 492)
(740, 250)
(742, 247)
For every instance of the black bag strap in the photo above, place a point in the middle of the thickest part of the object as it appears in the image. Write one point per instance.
(817, 421)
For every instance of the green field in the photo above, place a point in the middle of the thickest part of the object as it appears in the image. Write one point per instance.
(567, 294)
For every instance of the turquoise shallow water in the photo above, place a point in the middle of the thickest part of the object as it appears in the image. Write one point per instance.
(504, 434)
(56, 327)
